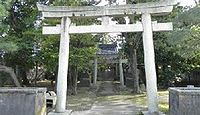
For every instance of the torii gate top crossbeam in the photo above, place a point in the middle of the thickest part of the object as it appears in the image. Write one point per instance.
(160, 8)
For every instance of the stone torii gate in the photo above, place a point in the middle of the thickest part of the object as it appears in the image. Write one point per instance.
(146, 26)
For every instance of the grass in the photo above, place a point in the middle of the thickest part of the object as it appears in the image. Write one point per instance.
(140, 99)
(163, 101)
(164, 107)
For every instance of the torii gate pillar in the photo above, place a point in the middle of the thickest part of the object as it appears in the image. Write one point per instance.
(63, 66)
(149, 61)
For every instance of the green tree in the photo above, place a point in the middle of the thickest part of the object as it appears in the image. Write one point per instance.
(4, 7)
(184, 40)
(187, 32)
(5, 45)
(22, 32)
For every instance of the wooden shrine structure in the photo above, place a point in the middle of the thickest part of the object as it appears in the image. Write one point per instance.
(110, 55)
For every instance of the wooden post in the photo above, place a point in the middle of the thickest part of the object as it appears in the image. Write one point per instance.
(116, 70)
(121, 73)
(63, 66)
(95, 72)
(149, 60)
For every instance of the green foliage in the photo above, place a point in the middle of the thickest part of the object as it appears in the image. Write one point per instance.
(177, 52)
(188, 17)
(23, 36)
(185, 38)
(49, 52)
(4, 6)
(8, 46)
(82, 51)
(4, 44)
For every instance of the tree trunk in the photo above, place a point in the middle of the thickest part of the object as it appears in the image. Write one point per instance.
(55, 78)
(36, 74)
(23, 75)
(74, 77)
(134, 72)
(69, 81)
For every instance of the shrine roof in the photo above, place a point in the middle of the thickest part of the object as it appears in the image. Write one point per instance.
(107, 49)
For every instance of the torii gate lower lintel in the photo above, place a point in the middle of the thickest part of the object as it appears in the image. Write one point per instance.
(146, 26)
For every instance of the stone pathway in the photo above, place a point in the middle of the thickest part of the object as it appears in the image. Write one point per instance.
(106, 88)
(110, 106)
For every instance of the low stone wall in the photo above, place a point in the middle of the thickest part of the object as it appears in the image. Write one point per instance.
(22, 101)
(184, 101)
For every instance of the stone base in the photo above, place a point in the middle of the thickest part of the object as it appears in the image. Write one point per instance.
(147, 113)
(67, 112)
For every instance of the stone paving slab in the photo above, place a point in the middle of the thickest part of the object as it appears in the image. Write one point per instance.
(123, 109)
(110, 107)
(67, 112)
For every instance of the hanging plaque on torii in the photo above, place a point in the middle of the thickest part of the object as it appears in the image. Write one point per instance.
(146, 26)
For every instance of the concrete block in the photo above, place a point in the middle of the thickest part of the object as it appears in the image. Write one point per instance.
(184, 101)
(22, 101)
